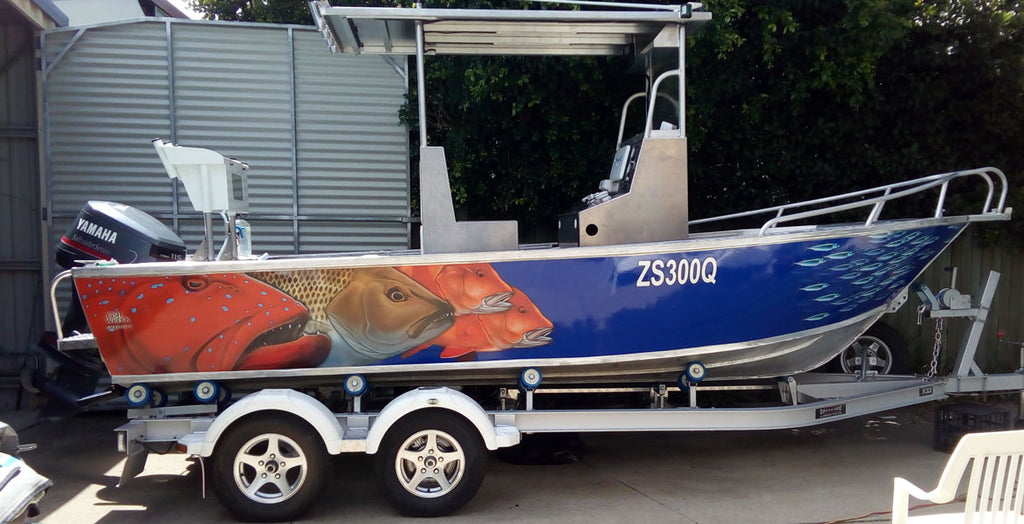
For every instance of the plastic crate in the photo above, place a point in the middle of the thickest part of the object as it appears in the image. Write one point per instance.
(955, 420)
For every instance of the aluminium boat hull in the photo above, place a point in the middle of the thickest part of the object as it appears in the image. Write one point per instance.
(746, 306)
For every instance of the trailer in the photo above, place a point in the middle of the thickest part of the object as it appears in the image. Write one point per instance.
(268, 452)
(393, 354)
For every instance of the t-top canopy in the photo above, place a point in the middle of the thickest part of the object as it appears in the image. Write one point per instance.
(615, 29)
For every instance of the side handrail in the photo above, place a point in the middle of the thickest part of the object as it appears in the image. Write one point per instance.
(53, 301)
(885, 194)
(625, 111)
(649, 125)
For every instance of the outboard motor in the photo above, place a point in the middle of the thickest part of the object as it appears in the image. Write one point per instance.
(112, 231)
(102, 231)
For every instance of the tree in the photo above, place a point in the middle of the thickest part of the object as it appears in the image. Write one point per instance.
(787, 100)
(801, 99)
(267, 11)
(780, 92)
(955, 91)
(512, 153)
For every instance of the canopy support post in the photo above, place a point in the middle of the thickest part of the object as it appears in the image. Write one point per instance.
(421, 83)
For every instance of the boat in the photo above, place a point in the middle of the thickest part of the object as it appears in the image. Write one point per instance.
(629, 294)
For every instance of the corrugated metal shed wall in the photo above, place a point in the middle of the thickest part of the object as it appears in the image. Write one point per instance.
(328, 156)
(104, 100)
(373, 163)
(20, 300)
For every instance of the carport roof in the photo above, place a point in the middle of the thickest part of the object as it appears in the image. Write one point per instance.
(372, 30)
(43, 14)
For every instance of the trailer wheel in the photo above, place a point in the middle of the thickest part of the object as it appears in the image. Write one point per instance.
(882, 345)
(269, 468)
(430, 464)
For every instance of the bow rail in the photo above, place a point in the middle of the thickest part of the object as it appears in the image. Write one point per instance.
(876, 198)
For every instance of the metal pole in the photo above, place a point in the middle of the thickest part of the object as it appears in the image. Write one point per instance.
(172, 122)
(611, 4)
(295, 143)
(421, 83)
(682, 81)
(208, 231)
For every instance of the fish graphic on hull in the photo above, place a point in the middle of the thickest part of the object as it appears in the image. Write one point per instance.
(216, 322)
(306, 318)
(518, 323)
(377, 312)
(469, 288)
(521, 326)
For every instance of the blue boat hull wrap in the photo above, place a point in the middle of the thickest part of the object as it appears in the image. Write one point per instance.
(749, 311)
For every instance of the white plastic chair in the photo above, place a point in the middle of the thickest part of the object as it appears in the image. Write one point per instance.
(995, 492)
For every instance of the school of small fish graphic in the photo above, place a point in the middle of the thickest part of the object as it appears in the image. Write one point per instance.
(870, 270)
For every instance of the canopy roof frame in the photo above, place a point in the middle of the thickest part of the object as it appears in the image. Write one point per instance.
(616, 29)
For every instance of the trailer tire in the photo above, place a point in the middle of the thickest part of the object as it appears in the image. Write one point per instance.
(882, 341)
(269, 468)
(449, 455)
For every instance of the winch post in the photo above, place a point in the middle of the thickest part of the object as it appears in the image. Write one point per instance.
(965, 364)
(937, 308)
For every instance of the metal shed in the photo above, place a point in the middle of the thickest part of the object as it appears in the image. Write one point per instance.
(321, 133)
(21, 305)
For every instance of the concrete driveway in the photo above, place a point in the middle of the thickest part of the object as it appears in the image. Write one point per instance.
(820, 474)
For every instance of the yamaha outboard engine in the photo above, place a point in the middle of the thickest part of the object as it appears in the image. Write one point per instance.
(102, 231)
(112, 231)
(108, 230)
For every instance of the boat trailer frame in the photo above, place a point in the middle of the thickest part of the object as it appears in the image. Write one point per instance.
(807, 399)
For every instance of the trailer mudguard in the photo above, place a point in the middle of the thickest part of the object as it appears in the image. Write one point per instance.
(285, 400)
(437, 398)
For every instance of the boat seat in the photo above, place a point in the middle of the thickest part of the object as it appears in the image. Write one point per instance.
(623, 163)
(440, 232)
(995, 492)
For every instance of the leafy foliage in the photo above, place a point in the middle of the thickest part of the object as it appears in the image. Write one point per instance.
(787, 100)
(511, 152)
(268, 11)
(794, 100)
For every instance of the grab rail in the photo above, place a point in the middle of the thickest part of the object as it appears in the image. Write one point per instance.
(625, 111)
(53, 301)
(877, 203)
(649, 124)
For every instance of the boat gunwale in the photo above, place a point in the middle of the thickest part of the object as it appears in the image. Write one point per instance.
(731, 239)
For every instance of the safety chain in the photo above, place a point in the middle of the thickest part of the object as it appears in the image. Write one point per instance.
(934, 369)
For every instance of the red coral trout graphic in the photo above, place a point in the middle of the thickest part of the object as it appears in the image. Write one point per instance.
(174, 324)
(466, 336)
(469, 288)
(521, 326)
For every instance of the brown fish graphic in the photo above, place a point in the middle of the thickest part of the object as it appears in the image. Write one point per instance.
(379, 312)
